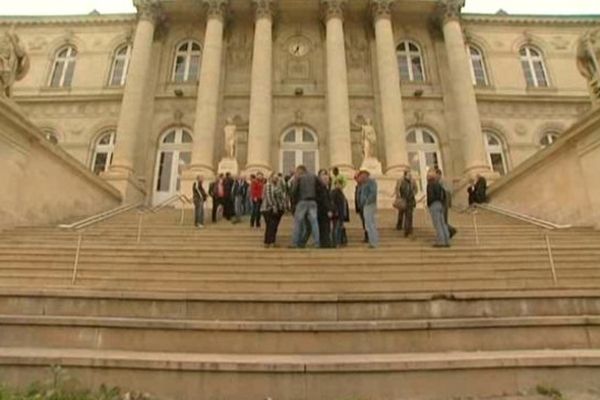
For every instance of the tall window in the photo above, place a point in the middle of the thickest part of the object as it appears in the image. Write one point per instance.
(478, 71)
(548, 139)
(120, 66)
(187, 62)
(63, 67)
(496, 152)
(423, 153)
(534, 68)
(174, 155)
(299, 146)
(410, 62)
(103, 152)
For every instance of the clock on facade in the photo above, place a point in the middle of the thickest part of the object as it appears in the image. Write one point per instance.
(298, 48)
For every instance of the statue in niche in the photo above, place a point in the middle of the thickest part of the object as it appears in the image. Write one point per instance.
(588, 60)
(14, 62)
(240, 48)
(369, 139)
(230, 138)
(357, 50)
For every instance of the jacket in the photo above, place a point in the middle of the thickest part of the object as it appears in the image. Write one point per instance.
(340, 205)
(367, 193)
(435, 192)
(406, 190)
(273, 198)
(199, 192)
(239, 189)
(256, 190)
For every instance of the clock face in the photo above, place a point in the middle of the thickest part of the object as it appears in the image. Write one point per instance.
(298, 49)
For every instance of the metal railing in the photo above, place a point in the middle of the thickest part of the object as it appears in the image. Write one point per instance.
(103, 216)
(522, 217)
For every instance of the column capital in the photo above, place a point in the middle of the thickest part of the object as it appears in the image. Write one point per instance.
(148, 10)
(382, 9)
(264, 8)
(216, 8)
(450, 10)
(333, 9)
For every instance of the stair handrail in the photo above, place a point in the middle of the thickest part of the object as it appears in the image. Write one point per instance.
(100, 217)
(523, 217)
(178, 197)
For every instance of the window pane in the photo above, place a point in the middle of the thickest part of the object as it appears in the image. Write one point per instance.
(309, 159)
(100, 163)
(164, 172)
(195, 47)
(479, 71)
(179, 69)
(498, 163)
(307, 137)
(431, 159)
(69, 74)
(540, 74)
(412, 137)
(104, 139)
(428, 138)
(528, 73)
(186, 137)
(404, 71)
(290, 137)
(183, 47)
(289, 161)
(118, 72)
(194, 68)
(170, 138)
(417, 68)
(412, 47)
(57, 74)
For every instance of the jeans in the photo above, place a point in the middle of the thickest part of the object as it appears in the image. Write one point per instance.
(217, 202)
(199, 214)
(272, 220)
(305, 209)
(405, 220)
(255, 215)
(441, 228)
(238, 207)
(338, 230)
(370, 215)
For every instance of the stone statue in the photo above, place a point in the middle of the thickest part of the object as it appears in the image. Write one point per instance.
(588, 60)
(230, 138)
(369, 139)
(14, 62)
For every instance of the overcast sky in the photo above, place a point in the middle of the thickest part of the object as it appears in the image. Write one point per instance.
(36, 7)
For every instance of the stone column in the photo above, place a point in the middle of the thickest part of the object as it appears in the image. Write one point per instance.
(259, 135)
(205, 125)
(340, 142)
(394, 129)
(121, 173)
(462, 91)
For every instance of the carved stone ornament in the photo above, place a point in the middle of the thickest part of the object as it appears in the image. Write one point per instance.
(216, 8)
(14, 62)
(588, 60)
(451, 9)
(381, 9)
(264, 8)
(149, 10)
(333, 9)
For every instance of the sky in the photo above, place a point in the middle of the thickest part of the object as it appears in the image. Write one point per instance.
(62, 7)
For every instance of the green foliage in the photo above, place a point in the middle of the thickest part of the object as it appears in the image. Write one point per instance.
(60, 386)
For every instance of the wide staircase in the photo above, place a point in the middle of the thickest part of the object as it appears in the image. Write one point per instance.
(146, 301)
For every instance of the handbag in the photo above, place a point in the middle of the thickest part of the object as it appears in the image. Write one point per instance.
(400, 204)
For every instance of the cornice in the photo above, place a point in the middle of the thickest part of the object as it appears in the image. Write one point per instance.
(92, 19)
(588, 20)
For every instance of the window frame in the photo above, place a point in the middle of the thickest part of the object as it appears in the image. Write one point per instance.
(531, 61)
(407, 55)
(188, 55)
(119, 57)
(108, 149)
(69, 58)
(496, 149)
(479, 57)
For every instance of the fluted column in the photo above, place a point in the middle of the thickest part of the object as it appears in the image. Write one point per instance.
(340, 143)
(205, 125)
(121, 173)
(465, 103)
(137, 78)
(259, 135)
(394, 129)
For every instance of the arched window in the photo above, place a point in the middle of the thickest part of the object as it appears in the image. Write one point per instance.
(478, 71)
(187, 62)
(496, 152)
(120, 66)
(174, 154)
(423, 153)
(534, 67)
(63, 67)
(299, 146)
(51, 136)
(104, 148)
(548, 139)
(410, 61)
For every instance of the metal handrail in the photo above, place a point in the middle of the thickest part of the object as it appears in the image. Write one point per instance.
(103, 216)
(523, 217)
(181, 197)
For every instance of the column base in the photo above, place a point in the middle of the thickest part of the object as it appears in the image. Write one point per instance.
(124, 179)
(373, 165)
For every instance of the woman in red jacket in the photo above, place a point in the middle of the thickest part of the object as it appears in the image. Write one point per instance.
(257, 185)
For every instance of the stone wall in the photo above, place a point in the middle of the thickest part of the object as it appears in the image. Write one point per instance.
(41, 183)
(559, 184)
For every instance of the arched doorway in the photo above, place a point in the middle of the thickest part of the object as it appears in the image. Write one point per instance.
(423, 154)
(299, 146)
(174, 153)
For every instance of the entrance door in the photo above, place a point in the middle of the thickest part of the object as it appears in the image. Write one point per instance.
(299, 146)
(174, 153)
(423, 154)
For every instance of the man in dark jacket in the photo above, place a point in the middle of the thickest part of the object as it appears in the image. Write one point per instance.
(478, 191)
(228, 210)
(216, 190)
(436, 197)
(200, 197)
(324, 209)
(406, 190)
(304, 193)
(239, 192)
(340, 208)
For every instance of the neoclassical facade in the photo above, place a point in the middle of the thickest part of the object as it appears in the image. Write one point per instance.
(144, 99)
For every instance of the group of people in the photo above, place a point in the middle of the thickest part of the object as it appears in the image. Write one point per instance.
(320, 208)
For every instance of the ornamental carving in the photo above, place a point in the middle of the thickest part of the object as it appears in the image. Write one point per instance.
(333, 9)
(451, 9)
(14, 62)
(264, 8)
(216, 8)
(382, 8)
(148, 10)
(588, 61)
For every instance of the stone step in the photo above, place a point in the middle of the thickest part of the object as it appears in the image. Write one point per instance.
(307, 337)
(192, 376)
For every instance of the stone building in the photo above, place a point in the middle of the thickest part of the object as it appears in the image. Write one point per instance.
(144, 99)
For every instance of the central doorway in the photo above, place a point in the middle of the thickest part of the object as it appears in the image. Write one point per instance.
(423, 154)
(299, 146)
(174, 154)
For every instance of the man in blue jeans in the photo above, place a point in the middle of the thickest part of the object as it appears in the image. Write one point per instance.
(304, 193)
(368, 203)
